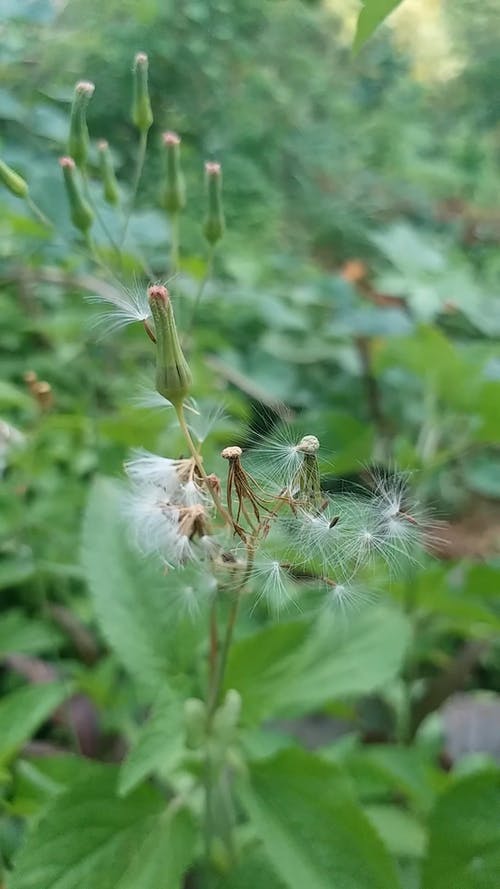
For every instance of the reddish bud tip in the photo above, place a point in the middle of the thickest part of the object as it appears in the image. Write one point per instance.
(103, 145)
(67, 163)
(85, 87)
(141, 58)
(171, 138)
(212, 168)
(158, 292)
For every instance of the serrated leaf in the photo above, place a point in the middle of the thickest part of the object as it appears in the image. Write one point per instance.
(23, 712)
(130, 597)
(464, 845)
(90, 838)
(313, 832)
(371, 16)
(293, 668)
(159, 745)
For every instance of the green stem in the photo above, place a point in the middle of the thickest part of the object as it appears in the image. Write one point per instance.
(139, 166)
(199, 465)
(174, 243)
(38, 213)
(203, 283)
(95, 208)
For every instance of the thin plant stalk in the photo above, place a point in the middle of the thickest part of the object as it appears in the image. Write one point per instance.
(174, 243)
(199, 465)
(38, 213)
(209, 267)
(139, 166)
(98, 214)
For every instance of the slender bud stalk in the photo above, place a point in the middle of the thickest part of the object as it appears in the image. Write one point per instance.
(142, 114)
(82, 216)
(78, 141)
(173, 377)
(13, 181)
(110, 185)
(174, 195)
(214, 224)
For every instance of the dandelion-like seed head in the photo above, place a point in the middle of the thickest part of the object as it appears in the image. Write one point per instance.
(273, 584)
(177, 480)
(279, 457)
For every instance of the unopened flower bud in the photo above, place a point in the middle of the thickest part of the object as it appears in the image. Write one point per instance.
(110, 185)
(227, 717)
(173, 377)
(174, 195)
(13, 181)
(195, 720)
(81, 213)
(78, 140)
(214, 224)
(142, 114)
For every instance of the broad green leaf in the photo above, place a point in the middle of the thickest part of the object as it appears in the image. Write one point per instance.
(159, 745)
(90, 838)
(373, 13)
(23, 712)
(294, 668)
(253, 871)
(313, 832)
(406, 770)
(401, 832)
(464, 846)
(24, 635)
(133, 601)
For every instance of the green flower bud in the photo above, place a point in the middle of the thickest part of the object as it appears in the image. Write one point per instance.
(82, 216)
(78, 140)
(227, 717)
(142, 114)
(15, 183)
(174, 195)
(173, 377)
(110, 185)
(214, 224)
(195, 722)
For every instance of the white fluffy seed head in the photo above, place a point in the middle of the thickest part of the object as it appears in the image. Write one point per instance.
(176, 480)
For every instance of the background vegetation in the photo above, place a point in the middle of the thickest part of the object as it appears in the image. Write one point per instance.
(356, 296)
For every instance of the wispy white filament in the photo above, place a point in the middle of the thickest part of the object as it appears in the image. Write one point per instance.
(124, 306)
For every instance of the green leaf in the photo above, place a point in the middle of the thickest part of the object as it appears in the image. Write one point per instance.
(293, 668)
(129, 595)
(401, 832)
(314, 833)
(90, 838)
(24, 711)
(159, 745)
(482, 474)
(253, 870)
(24, 635)
(464, 846)
(373, 13)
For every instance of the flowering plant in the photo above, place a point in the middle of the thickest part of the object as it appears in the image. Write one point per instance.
(194, 570)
